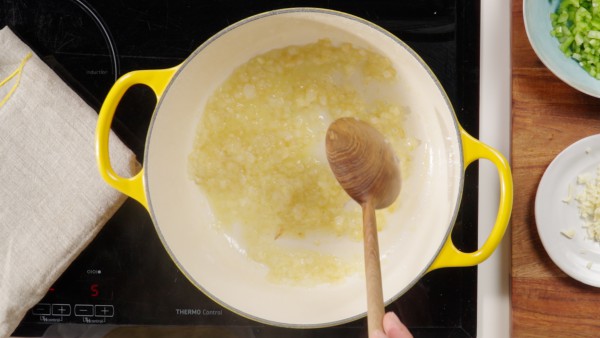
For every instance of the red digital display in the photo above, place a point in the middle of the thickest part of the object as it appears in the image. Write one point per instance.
(90, 289)
(94, 290)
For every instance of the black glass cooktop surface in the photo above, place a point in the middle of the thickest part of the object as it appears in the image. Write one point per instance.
(125, 283)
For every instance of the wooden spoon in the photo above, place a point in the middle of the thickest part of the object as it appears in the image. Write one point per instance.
(366, 167)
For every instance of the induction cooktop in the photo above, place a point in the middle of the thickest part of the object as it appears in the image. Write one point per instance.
(124, 282)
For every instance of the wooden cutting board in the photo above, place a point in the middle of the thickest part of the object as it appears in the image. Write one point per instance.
(547, 116)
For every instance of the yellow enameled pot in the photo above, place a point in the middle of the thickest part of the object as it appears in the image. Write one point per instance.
(416, 241)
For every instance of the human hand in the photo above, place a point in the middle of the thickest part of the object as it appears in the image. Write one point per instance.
(393, 328)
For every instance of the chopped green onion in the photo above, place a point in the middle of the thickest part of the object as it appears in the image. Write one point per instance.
(576, 26)
(594, 34)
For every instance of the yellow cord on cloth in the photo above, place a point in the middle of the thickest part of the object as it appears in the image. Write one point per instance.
(16, 73)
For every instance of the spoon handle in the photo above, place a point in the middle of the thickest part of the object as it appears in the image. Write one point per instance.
(375, 307)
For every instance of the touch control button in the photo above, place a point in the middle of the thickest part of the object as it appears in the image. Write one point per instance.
(105, 311)
(61, 310)
(41, 309)
(84, 310)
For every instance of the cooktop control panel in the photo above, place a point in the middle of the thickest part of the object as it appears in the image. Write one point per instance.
(88, 300)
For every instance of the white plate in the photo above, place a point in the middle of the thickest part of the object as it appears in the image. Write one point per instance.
(579, 257)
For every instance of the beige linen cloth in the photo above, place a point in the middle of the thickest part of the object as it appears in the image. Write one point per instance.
(52, 198)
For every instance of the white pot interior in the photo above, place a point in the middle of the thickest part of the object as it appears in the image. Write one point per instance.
(413, 237)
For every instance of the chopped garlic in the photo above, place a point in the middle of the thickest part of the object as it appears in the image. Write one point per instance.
(593, 231)
(569, 233)
(589, 203)
(584, 178)
(569, 196)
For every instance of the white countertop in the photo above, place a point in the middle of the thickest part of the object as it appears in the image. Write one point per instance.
(493, 296)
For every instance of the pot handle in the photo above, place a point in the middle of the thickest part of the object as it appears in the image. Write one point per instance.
(450, 255)
(157, 80)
